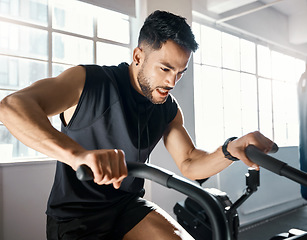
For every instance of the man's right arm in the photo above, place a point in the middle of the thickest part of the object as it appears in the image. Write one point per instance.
(25, 114)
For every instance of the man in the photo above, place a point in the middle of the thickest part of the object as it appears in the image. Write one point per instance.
(111, 115)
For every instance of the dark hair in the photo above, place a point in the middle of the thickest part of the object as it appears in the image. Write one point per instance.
(161, 26)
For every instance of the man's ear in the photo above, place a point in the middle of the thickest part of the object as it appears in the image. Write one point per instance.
(138, 56)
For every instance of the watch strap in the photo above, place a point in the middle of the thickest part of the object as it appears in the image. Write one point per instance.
(225, 151)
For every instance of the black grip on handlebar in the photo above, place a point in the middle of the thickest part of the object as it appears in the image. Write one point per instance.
(276, 166)
(84, 173)
(138, 170)
(265, 160)
(274, 148)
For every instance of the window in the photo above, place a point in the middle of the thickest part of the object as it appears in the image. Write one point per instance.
(242, 86)
(42, 38)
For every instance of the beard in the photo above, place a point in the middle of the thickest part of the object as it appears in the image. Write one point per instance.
(146, 88)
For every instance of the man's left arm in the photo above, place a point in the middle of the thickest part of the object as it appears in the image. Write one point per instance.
(198, 164)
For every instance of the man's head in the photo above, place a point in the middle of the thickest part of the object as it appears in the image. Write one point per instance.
(161, 26)
(164, 49)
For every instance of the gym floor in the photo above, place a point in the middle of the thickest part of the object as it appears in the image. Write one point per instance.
(264, 230)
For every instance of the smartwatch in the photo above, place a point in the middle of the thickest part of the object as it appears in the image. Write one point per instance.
(226, 153)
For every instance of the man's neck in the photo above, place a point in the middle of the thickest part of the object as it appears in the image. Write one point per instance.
(133, 78)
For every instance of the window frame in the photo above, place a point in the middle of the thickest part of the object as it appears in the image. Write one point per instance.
(273, 47)
(51, 63)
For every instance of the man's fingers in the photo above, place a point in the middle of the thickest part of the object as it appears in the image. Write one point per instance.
(249, 163)
(117, 184)
(237, 147)
(261, 142)
(110, 168)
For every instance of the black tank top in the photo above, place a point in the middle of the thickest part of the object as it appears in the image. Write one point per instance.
(110, 114)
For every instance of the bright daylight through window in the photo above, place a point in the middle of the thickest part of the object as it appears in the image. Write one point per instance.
(42, 38)
(241, 86)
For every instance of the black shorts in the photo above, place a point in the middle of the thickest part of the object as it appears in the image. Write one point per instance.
(111, 223)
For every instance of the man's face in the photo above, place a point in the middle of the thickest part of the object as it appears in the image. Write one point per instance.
(161, 70)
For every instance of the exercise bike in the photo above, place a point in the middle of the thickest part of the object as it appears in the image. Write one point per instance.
(221, 219)
(194, 219)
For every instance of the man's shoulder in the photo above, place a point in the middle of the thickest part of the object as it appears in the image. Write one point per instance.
(99, 73)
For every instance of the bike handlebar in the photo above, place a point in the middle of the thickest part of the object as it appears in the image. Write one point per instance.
(212, 207)
(276, 166)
